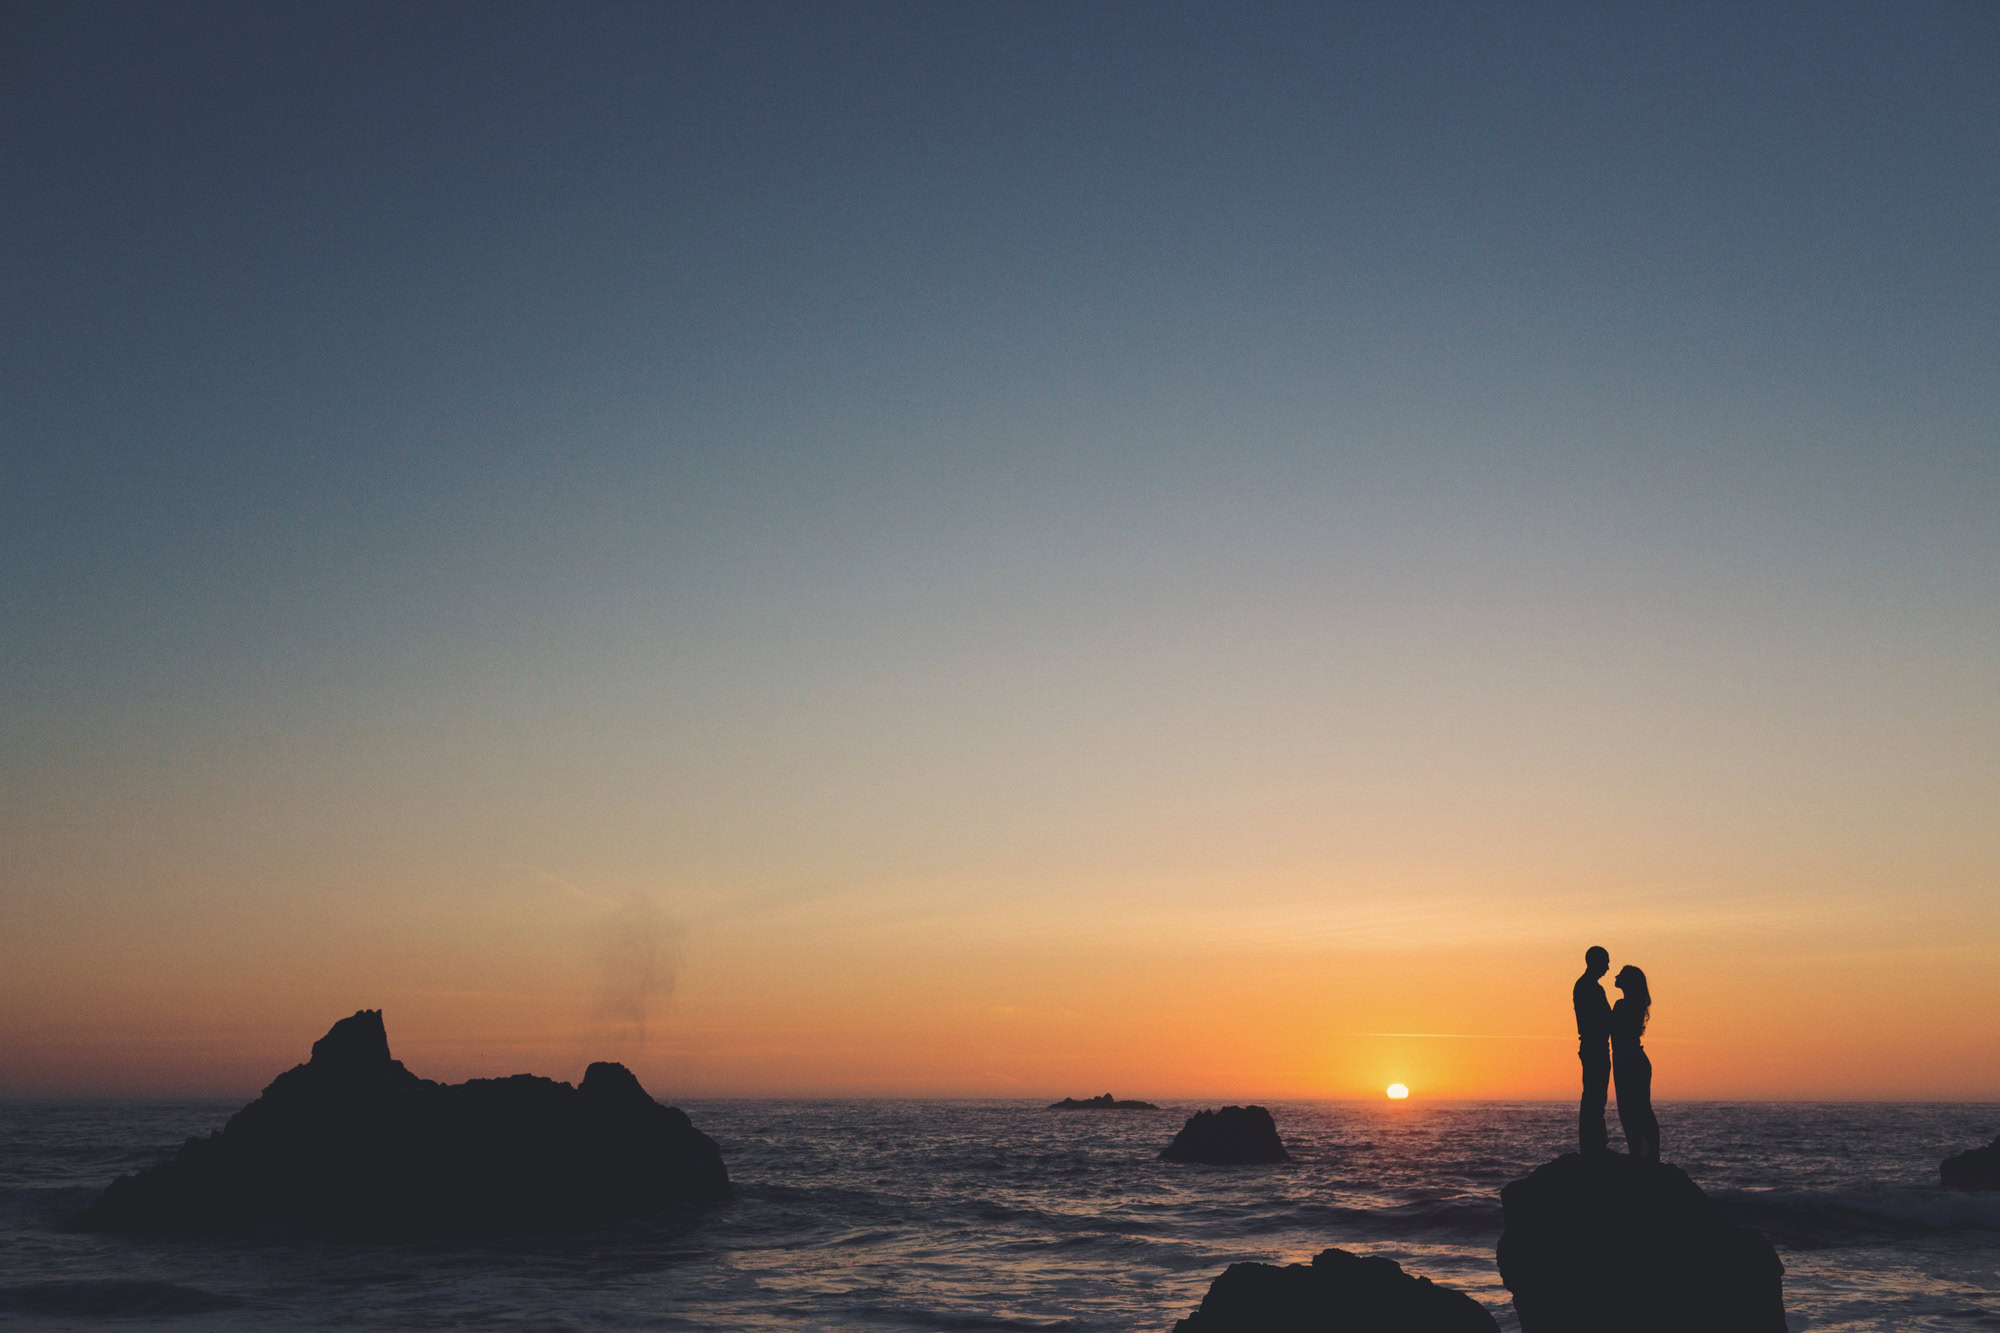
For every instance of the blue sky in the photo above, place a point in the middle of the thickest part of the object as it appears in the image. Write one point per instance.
(711, 452)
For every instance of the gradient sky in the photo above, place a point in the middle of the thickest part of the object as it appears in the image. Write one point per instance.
(1001, 549)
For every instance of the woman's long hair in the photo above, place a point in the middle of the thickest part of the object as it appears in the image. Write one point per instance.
(1633, 982)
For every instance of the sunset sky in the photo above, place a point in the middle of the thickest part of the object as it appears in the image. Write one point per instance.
(1001, 549)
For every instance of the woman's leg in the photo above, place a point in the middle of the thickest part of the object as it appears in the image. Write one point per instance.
(1649, 1123)
(1627, 1080)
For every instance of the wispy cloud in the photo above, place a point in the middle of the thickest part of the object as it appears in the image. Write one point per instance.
(1563, 1037)
(1469, 1036)
(1367, 922)
(557, 883)
(780, 899)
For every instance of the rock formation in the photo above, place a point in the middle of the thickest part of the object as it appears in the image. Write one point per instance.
(1338, 1293)
(1605, 1242)
(351, 1144)
(1973, 1169)
(1233, 1136)
(1105, 1103)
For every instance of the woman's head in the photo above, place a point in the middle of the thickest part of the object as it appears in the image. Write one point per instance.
(1633, 982)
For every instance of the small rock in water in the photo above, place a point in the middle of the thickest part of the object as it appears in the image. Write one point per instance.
(1233, 1136)
(1105, 1103)
(1605, 1242)
(1339, 1291)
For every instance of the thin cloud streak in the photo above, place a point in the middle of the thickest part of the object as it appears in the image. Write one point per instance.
(558, 883)
(1356, 924)
(1468, 1036)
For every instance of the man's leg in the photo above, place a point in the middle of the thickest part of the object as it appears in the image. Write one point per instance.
(1590, 1132)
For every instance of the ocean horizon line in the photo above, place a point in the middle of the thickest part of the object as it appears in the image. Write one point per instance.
(792, 1099)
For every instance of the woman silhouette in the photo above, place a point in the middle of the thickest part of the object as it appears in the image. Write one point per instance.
(1630, 1068)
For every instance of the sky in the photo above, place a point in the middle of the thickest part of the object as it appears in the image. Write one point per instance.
(1001, 550)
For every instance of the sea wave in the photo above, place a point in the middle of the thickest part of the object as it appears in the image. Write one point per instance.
(57, 1206)
(1453, 1217)
(112, 1297)
(919, 1317)
(1814, 1219)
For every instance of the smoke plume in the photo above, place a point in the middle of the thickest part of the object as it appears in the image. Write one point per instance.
(639, 954)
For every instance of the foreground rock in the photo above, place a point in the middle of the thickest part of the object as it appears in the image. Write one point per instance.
(1105, 1103)
(353, 1145)
(1604, 1242)
(1338, 1293)
(1973, 1169)
(1233, 1136)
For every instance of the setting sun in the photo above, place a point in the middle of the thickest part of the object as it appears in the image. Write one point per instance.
(1397, 1092)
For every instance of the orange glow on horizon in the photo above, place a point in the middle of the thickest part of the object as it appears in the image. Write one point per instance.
(834, 1002)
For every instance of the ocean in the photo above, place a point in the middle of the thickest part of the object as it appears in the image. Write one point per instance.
(998, 1215)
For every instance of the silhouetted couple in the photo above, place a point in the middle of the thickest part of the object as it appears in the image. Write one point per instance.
(1608, 1043)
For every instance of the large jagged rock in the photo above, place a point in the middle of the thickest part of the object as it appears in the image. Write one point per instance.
(1338, 1293)
(1233, 1136)
(1973, 1169)
(351, 1144)
(1105, 1103)
(1605, 1242)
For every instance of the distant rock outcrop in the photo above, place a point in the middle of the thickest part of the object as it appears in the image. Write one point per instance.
(1105, 1103)
(1973, 1169)
(351, 1144)
(1338, 1293)
(1233, 1136)
(1605, 1242)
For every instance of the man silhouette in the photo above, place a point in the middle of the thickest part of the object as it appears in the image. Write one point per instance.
(1593, 1048)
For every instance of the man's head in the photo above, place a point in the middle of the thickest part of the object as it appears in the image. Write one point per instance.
(1596, 962)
